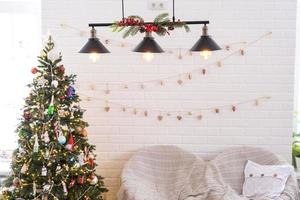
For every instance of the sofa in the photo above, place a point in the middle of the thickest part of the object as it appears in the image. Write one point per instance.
(170, 173)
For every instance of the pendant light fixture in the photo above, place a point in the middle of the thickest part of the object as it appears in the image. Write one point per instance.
(205, 44)
(94, 47)
(148, 45)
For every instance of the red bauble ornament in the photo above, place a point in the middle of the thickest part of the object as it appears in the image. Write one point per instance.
(70, 145)
(72, 183)
(91, 162)
(80, 179)
(62, 97)
(61, 69)
(34, 70)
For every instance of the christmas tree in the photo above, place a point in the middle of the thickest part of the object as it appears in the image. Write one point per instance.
(54, 159)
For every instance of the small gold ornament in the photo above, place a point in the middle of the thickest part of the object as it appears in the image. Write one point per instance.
(84, 132)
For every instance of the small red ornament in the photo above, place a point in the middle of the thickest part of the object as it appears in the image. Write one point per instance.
(150, 28)
(80, 179)
(62, 97)
(70, 145)
(34, 70)
(72, 183)
(91, 162)
(61, 69)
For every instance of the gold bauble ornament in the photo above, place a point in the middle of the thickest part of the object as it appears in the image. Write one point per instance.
(84, 132)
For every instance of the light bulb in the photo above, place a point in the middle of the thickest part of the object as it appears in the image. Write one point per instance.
(205, 54)
(94, 57)
(148, 56)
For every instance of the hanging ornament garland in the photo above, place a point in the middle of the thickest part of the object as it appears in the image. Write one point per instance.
(161, 25)
(197, 113)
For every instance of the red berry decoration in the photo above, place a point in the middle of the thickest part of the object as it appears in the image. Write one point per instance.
(80, 179)
(34, 70)
(61, 69)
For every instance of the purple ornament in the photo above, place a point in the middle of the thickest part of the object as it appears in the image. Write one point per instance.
(70, 92)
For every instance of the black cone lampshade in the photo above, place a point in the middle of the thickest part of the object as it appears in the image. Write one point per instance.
(93, 45)
(148, 45)
(205, 43)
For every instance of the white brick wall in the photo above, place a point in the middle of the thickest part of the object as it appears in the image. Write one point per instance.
(267, 69)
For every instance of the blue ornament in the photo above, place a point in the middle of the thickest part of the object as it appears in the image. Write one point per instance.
(62, 139)
(70, 92)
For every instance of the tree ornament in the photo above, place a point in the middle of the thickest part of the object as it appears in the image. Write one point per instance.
(34, 189)
(34, 70)
(58, 169)
(94, 180)
(64, 188)
(24, 168)
(72, 183)
(44, 171)
(70, 144)
(26, 115)
(84, 132)
(41, 81)
(61, 69)
(51, 106)
(46, 188)
(62, 139)
(54, 83)
(47, 153)
(36, 144)
(16, 182)
(70, 92)
(46, 137)
(91, 162)
(80, 180)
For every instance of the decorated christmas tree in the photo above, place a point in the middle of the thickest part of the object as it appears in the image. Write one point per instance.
(54, 159)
